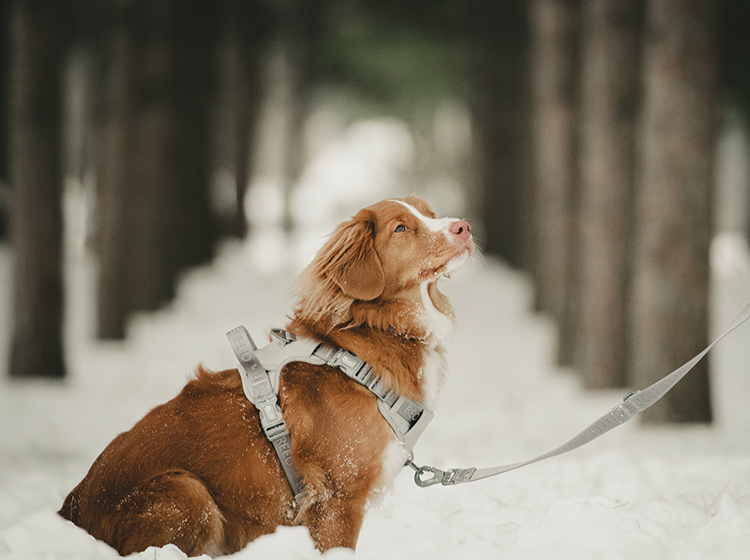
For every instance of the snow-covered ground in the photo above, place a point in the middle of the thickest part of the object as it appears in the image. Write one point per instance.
(635, 493)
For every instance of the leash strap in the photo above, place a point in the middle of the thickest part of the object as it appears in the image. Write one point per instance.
(633, 404)
(259, 390)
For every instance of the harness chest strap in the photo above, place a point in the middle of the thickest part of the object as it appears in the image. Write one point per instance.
(260, 372)
(407, 418)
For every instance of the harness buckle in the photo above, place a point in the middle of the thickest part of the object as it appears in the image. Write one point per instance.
(352, 366)
(284, 336)
(270, 412)
(375, 384)
(276, 431)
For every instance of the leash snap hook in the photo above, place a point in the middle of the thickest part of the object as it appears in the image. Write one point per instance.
(438, 476)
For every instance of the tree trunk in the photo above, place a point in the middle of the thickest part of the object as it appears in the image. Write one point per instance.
(153, 196)
(4, 92)
(670, 297)
(734, 53)
(298, 24)
(245, 26)
(4, 114)
(36, 176)
(609, 95)
(172, 225)
(155, 208)
(194, 27)
(117, 172)
(555, 36)
(501, 110)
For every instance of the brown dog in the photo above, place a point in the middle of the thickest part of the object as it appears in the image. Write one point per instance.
(200, 473)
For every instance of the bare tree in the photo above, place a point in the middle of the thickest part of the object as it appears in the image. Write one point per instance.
(734, 50)
(116, 173)
(501, 109)
(172, 225)
(671, 266)
(154, 204)
(245, 29)
(609, 98)
(192, 28)
(4, 91)
(555, 38)
(36, 176)
(297, 27)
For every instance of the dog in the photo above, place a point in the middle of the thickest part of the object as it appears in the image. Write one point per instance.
(199, 472)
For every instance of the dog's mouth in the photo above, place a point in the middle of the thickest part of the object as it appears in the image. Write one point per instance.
(451, 265)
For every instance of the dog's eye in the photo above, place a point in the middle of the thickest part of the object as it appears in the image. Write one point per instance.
(400, 228)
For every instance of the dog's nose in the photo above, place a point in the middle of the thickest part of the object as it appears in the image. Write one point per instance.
(461, 228)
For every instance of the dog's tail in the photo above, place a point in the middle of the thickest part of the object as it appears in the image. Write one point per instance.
(69, 509)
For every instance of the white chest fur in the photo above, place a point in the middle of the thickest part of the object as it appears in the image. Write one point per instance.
(394, 459)
(438, 327)
(395, 454)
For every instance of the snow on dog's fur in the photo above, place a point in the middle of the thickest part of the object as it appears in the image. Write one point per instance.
(198, 471)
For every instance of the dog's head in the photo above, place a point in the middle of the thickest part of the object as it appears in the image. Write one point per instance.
(385, 252)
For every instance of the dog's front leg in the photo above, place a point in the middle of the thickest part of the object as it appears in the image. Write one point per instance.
(335, 522)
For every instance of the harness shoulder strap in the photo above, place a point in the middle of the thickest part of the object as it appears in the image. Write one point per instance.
(259, 390)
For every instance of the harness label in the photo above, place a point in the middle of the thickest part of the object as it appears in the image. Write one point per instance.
(410, 412)
(284, 447)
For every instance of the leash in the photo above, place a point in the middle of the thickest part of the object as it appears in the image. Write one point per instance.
(632, 405)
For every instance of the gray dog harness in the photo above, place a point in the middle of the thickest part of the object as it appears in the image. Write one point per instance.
(260, 373)
(407, 418)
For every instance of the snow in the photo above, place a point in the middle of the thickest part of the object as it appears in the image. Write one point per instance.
(638, 492)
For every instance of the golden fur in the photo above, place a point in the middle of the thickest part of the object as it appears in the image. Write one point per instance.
(198, 471)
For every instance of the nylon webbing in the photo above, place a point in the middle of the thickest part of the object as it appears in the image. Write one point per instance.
(256, 382)
(407, 418)
(632, 405)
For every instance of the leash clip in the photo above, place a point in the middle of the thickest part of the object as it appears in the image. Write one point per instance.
(446, 478)
(438, 476)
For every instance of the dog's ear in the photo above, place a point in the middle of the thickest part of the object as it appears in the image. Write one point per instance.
(350, 260)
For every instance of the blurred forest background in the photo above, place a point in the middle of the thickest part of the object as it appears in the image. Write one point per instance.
(580, 137)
